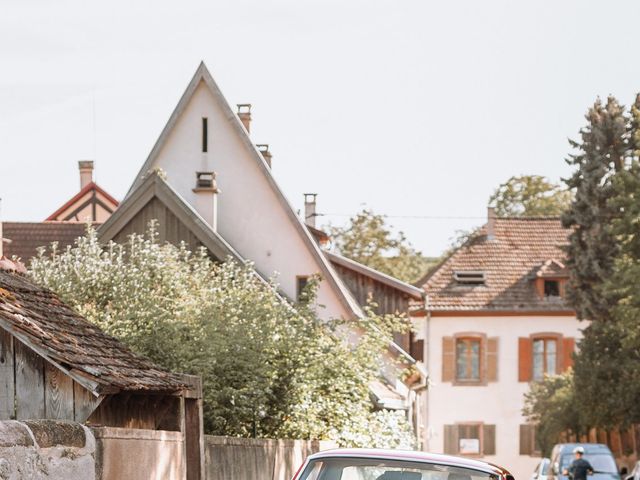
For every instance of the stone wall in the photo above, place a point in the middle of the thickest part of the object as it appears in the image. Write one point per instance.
(46, 449)
(256, 459)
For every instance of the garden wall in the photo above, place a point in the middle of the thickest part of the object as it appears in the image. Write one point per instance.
(46, 449)
(256, 459)
(124, 453)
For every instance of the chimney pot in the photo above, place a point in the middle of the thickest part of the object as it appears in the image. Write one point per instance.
(86, 172)
(310, 209)
(266, 154)
(206, 191)
(491, 223)
(244, 114)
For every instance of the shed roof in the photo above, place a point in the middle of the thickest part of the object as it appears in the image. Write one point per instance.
(521, 248)
(41, 320)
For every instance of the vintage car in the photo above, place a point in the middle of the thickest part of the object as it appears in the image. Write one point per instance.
(361, 464)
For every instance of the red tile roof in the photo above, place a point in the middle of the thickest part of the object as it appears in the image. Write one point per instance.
(38, 318)
(521, 248)
(87, 188)
(26, 237)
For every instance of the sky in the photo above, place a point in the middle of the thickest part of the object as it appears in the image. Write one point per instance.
(415, 109)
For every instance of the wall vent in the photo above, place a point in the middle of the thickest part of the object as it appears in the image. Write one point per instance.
(469, 277)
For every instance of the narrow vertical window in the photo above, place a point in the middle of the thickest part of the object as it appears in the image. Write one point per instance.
(301, 284)
(205, 135)
(544, 357)
(468, 359)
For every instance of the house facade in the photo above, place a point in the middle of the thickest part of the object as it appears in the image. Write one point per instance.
(494, 321)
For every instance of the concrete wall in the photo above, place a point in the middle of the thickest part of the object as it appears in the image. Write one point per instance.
(496, 403)
(46, 450)
(256, 459)
(123, 453)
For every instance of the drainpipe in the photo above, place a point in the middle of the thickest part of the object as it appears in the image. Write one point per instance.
(427, 354)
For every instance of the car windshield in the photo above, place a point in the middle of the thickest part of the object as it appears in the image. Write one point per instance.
(379, 469)
(601, 462)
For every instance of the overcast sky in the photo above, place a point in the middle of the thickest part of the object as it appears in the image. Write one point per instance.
(413, 108)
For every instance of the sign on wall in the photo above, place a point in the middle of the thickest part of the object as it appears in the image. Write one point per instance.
(469, 446)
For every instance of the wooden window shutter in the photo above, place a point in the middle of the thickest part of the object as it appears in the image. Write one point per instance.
(568, 347)
(492, 359)
(526, 439)
(451, 439)
(448, 359)
(488, 439)
(417, 350)
(525, 359)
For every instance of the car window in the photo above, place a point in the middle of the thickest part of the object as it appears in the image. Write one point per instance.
(601, 462)
(545, 467)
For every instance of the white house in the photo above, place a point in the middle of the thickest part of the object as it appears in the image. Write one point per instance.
(207, 184)
(494, 321)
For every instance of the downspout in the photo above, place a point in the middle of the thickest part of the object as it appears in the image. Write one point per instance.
(427, 354)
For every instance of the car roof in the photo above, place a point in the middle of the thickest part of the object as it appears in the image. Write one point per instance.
(588, 447)
(413, 456)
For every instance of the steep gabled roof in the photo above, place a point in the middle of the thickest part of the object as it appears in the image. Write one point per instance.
(203, 75)
(154, 186)
(509, 262)
(88, 188)
(102, 364)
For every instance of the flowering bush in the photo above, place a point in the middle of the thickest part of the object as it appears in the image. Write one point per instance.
(269, 368)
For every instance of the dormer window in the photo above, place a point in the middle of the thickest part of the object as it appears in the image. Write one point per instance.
(551, 288)
(469, 277)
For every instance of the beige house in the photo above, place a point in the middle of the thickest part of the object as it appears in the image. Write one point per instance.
(494, 320)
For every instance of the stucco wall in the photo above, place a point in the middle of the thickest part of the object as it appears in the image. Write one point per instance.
(497, 403)
(251, 217)
(256, 459)
(46, 450)
(123, 453)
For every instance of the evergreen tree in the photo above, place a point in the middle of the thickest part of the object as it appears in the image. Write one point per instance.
(593, 247)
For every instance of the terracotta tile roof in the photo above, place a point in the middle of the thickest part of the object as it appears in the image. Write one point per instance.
(38, 318)
(522, 249)
(26, 237)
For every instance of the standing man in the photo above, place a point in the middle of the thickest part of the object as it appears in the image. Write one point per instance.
(579, 468)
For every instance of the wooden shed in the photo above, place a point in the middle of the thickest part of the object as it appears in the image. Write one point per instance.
(54, 364)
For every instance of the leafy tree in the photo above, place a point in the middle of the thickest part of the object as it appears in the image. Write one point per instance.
(369, 240)
(551, 405)
(268, 369)
(592, 245)
(530, 196)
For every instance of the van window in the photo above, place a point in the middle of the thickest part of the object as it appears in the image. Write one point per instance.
(601, 462)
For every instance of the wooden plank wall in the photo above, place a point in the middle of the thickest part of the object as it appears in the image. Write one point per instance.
(388, 299)
(31, 388)
(170, 228)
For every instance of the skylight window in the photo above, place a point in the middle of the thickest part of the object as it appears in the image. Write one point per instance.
(469, 277)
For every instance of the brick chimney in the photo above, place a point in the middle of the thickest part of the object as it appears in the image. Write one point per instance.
(86, 172)
(491, 223)
(206, 191)
(266, 154)
(310, 209)
(244, 114)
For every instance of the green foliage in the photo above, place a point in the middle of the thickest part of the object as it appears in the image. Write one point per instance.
(369, 240)
(530, 196)
(268, 369)
(593, 247)
(551, 405)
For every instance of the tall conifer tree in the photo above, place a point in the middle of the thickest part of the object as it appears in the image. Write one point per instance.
(593, 248)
